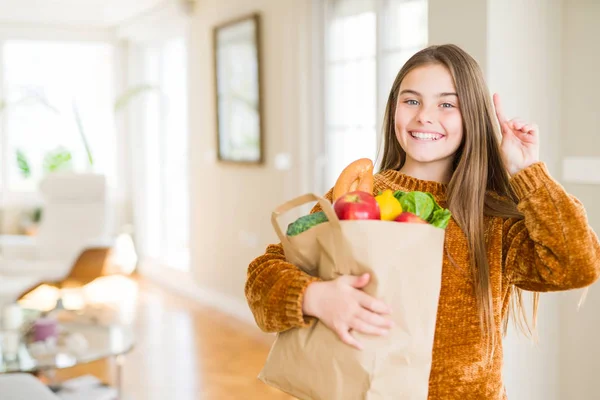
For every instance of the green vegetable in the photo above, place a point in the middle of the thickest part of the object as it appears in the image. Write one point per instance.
(424, 205)
(305, 223)
(418, 203)
(440, 218)
(398, 194)
(436, 206)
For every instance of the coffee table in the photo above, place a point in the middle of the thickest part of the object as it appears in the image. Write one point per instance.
(113, 341)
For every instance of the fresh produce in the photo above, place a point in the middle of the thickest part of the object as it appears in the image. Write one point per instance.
(306, 222)
(388, 205)
(440, 218)
(358, 175)
(406, 216)
(424, 206)
(353, 200)
(406, 207)
(357, 205)
(418, 203)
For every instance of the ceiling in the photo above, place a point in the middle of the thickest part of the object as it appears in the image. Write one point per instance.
(93, 13)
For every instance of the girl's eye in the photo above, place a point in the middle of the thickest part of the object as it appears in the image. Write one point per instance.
(412, 102)
(447, 105)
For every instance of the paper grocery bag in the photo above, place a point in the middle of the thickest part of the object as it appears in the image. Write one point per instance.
(405, 262)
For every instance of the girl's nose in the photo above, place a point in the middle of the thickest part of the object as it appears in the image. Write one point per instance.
(424, 116)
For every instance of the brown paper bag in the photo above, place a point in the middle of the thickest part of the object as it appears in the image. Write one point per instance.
(405, 262)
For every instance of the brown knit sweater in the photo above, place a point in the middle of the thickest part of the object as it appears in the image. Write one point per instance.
(553, 248)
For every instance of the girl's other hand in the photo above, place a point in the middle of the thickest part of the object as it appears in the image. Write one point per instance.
(342, 306)
(520, 141)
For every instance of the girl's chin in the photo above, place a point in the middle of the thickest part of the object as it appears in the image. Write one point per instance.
(426, 158)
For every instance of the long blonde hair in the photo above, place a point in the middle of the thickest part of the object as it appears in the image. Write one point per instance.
(478, 171)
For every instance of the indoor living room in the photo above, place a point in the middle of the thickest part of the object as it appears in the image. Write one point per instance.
(98, 291)
(149, 147)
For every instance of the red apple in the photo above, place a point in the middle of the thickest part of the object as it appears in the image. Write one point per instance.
(357, 205)
(410, 218)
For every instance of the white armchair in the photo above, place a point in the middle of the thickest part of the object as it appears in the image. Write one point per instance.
(24, 387)
(74, 217)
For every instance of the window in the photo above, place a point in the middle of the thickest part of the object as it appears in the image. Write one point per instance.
(164, 139)
(52, 92)
(367, 42)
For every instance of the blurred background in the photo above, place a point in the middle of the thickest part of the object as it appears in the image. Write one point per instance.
(144, 144)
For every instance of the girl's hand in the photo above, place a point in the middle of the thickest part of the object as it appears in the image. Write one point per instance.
(520, 141)
(342, 307)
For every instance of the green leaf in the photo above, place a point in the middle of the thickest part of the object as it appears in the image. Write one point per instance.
(79, 123)
(418, 203)
(36, 215)
(440, 218)
(398, 194)
(436, 206)
(59, 159)
(23, 164)
(130, 94)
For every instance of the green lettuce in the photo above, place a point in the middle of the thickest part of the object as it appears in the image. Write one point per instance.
(418, 203)
(440, 218)
(424, 206)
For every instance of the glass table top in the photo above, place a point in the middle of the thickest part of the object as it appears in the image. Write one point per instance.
(102, 341)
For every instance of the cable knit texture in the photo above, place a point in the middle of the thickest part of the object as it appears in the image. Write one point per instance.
(552, 248)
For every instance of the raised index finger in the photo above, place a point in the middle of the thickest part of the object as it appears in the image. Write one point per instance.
(498, 107)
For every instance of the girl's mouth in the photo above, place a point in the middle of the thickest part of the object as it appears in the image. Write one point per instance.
(426, 136)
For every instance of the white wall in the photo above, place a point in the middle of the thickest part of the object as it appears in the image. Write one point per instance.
(231, 204)
(580, 349)
(461, 22)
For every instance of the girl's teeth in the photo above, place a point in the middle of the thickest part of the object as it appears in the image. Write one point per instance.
(425, 136)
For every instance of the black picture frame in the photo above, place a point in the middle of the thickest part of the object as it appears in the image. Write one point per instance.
(238, 90)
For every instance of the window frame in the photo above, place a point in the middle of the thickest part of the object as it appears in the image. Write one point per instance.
(326, 8)
(136, 118)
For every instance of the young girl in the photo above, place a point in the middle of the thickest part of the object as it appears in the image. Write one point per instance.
(513, 228)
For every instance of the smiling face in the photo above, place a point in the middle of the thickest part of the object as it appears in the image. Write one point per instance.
(428, 121)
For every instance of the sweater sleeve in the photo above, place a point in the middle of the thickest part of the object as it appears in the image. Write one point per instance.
(553, 247)
(275, 289)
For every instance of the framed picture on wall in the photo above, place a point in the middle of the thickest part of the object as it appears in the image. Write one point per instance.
(238, 91)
